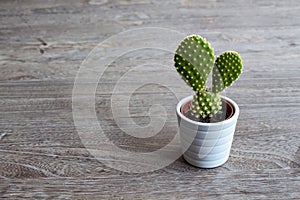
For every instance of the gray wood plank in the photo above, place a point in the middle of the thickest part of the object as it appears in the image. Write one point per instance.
(42, 45)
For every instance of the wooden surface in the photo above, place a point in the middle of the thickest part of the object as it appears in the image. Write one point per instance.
(42, 45)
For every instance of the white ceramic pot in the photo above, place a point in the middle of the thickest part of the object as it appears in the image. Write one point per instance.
(206, 145)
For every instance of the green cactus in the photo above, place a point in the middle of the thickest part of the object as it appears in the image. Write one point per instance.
(228, 67)
(194, 60)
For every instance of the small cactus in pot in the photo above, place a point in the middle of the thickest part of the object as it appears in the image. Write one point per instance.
(195, 60)
(206, 130)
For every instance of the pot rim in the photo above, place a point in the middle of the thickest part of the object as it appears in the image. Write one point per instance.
(227, 121)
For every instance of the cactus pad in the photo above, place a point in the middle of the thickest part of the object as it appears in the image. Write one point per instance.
(227, 69)
(194, 60)
(205, 104)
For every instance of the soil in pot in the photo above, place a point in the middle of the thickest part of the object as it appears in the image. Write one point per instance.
(226, 113)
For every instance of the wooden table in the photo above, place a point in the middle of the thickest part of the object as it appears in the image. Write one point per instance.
(43, 45)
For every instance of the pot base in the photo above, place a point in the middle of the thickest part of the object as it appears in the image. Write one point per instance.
(206, 165)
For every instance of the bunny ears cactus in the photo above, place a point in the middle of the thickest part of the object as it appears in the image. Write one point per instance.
(194, 60)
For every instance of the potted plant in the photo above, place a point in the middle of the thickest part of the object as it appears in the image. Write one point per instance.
(206, 119)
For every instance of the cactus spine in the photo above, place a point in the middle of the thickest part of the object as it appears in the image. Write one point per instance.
(194, 60)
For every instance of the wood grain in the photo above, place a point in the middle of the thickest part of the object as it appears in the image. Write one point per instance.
(273, 184)
(42, 45)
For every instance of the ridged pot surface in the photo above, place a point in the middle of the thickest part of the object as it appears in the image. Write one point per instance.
(206, 145)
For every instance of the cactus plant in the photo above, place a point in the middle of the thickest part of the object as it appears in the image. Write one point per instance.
(194, 60)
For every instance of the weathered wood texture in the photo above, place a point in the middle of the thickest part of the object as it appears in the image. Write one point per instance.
(42, 45)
